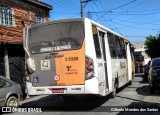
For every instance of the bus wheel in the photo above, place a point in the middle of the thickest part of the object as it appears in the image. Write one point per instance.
(130, 82)
(113, 94)
(152, 90)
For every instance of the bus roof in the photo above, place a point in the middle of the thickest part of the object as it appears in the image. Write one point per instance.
(57, 21)
(78, 19)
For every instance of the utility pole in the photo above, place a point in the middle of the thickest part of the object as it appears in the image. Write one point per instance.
(89, 15)
(81, 3)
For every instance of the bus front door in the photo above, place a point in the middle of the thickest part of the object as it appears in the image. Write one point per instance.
(101, 61)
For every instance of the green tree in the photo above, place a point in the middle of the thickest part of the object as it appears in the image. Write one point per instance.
(153, 46)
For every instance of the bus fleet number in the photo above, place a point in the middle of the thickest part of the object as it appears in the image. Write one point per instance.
(71, 59)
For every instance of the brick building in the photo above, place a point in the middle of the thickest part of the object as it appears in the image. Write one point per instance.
(12, 13)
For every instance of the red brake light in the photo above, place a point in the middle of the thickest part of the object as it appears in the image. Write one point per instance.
(89, 62)
(89, 69)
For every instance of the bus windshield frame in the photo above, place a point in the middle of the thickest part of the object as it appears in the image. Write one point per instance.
(57, 36)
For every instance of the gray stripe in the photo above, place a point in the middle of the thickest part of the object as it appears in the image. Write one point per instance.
(43, 77)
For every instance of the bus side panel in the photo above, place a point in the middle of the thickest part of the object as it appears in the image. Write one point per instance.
(91, 85)
(71, 67)
(129, 63)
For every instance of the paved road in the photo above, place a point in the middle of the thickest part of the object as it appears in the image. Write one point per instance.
(131, 96)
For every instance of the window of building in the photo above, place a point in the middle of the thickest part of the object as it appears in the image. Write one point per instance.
(6, 16)
(39, 19)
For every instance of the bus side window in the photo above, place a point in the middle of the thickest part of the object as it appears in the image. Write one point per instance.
(125, 50)
(120, 54)
(117, 41)
(112, 46)
(113, 52)
(122, 48)
(121, 42)
(96, 42)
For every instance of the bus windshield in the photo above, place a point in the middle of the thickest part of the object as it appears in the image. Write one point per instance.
(56, 37)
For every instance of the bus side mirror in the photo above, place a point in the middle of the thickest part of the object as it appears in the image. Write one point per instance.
(31, 65)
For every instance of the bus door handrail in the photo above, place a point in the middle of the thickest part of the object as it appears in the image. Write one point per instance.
(25, 39)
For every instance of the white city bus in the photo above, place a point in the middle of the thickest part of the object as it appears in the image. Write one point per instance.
(75, 56)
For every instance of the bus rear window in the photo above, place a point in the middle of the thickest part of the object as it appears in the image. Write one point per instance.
(56, 37)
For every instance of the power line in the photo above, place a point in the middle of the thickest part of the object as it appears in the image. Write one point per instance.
(75, 15)
(63, 6)
(93, 9)
(103, 11)
(101, 4)
(116, 8)
(124, 5)
(110, 19)
(131, 8)
(74, 4)
(66, 4)
(135, 36)
(103, 17)
(145, 23)
(82, 6)
(63, 12)
(135, 14)
(130, 26)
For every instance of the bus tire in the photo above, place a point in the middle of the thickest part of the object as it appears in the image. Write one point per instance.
(130, 82)
(113, 94)
(152, 90)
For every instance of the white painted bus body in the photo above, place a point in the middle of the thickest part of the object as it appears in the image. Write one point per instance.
(96, 85)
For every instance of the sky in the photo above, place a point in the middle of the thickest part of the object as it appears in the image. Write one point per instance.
(134, 19)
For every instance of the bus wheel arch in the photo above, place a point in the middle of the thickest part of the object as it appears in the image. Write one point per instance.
(115, 87)
(130, 82)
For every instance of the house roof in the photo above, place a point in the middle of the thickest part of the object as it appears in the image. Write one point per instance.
(39, 3)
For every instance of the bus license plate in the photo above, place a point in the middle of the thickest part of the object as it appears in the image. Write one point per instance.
(57, 90)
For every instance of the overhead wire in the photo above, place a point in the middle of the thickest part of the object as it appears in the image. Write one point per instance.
(67, 5)
(116, 8)
(98, 16)
(103, 11)
(143, 23)
(63, 12)
(131, 26)
(74, 4)
(64, 6)
(110, 19)
(152, 13)
(130, 8)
